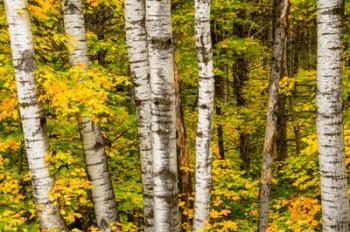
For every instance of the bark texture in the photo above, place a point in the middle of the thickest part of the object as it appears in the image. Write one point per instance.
(183, 159)
(334, 185)
(161, 62)
(95, 157)
(136, 39)
(275, 75)
(205, 112)
(33, 120)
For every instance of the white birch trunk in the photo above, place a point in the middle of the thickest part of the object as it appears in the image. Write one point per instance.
(95, 156)
(205, 111)
(160, 49)
(33, 120)
(334, 185)
(136, 40)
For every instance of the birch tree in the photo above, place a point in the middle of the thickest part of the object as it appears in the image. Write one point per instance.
(138, 57)
(275, 74)
(32, 118)
(205, 111)
(95, 156)
(334, 185)
(161, 63)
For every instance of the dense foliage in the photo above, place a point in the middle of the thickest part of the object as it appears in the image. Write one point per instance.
(242, 40)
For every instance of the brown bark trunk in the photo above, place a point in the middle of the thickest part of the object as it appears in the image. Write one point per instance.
(282, 113)
(240, 77)
(185, 184)
(281, 138)
(281, 7)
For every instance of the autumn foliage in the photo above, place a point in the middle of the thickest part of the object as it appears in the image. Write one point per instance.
(240, 30)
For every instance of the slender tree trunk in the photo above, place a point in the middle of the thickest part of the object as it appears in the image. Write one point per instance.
(161, 62)
(275, 75)
(282, 113)
(183, 159)
(138, 56)
(240, 71)
(220, 85)
(240, 76)
(33, 120)
(294, 50)
(334, 185)
(205, 111)
(281, 137)
(221, 95)
(95, 156)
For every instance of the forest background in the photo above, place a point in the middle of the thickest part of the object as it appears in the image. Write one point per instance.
(242, 34)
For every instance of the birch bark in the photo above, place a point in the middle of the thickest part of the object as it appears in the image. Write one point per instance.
(270, 131)
(136, 39)
(33, 120)
(334, 185)
(205, 111)
(95, 156)
(161, 61)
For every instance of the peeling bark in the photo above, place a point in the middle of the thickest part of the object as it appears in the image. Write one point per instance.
(136, 39)
(334, 184)
(205, 113)
(32, 118)
(161, 63)
(95, 156)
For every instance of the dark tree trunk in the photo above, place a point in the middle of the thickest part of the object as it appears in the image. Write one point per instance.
(281, 137)
(185, 184)
(294, 64)
(221, 98)
(282, 113)
(240, 76)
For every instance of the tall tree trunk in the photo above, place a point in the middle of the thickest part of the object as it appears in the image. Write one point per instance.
(334, 185)
(282, 113)
(205, 111)
(275, 75)
(240, 71)
(221, 95)
(161, 63)
(281, 137)
(138, 56)
(183, 159)
(95, 156)
(33, 120)
(240, 77)
(294, 50)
